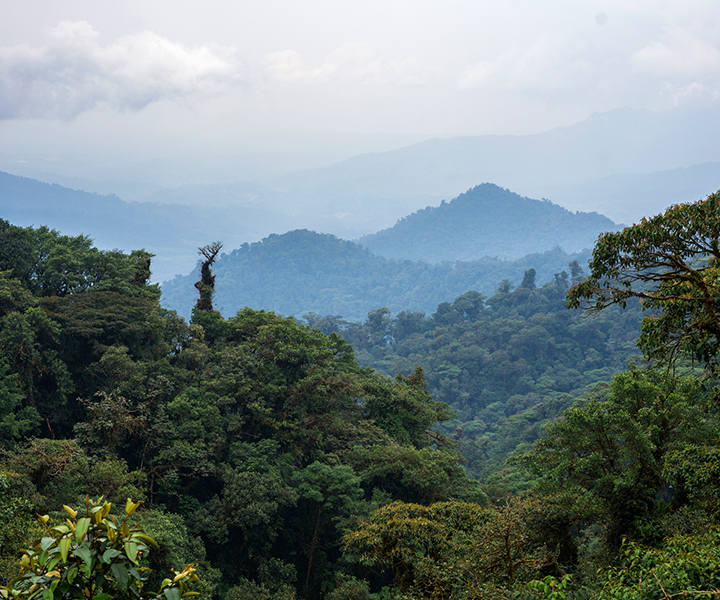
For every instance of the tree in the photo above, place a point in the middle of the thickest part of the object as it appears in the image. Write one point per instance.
(576, 271)
(671, 263)
(504, 286)
(607, 456)
(451, 549)
(529, 279)
(206, 285)
(469, 306)
(686, 566)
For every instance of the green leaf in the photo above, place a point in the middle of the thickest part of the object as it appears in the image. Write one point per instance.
(84, 553)
(61, 528)
(109, 554)
(145, 538)
(46, 542)
(172, 593)
(47, 594)
(121, 575)
(81, 529)
(131, 549)
(71, 575)
(64, 545)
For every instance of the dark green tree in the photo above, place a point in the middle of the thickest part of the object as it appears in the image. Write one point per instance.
(206, 285)
(608, 454)
(529, 279)
(670, 262)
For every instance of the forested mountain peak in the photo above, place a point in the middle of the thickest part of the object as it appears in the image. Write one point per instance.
(303, 271)
(487, 220)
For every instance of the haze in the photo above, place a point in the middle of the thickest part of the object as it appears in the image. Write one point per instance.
(165, 101)
(166, 77)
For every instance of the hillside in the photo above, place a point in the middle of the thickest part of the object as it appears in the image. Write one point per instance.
(507, 365)
(487, 220)
(303, 271)
(627, 195)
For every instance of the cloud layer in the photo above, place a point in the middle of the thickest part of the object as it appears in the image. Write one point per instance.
(352, 62)
(593, 66)
(72, 73)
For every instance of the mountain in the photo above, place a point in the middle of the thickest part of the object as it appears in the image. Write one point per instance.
(487, 220)
(302, 272)
(625, 196)
(172, 232)
(559, 164)
(584, 166)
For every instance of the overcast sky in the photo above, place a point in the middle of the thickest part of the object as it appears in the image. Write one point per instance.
(173, 74)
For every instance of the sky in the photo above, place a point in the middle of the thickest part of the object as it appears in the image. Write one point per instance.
(156, 77)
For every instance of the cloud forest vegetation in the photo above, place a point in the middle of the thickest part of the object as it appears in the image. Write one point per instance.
(501, 447)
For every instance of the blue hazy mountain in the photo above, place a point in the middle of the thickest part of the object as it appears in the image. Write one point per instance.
(172, 232)
(487, 220)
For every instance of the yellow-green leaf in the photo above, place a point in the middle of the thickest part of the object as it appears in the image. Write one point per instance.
(64, 545)
(81, 529)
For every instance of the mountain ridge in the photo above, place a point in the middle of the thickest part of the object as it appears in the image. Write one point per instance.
(302, 272)
(485, 221)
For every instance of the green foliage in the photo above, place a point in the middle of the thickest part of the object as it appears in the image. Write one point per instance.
(551, 588)
(684, 566)
(259, 443)
(321, 274)
(94, 556)
(15, 420)
(451, 549)
(607, 455)
(671, 262)
(506, 368)
(17, 525)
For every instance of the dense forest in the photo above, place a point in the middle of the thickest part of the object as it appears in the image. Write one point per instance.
(262, 457)
(506, 365)
(302, 271)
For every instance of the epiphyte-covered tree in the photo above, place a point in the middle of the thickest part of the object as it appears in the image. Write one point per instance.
(206, 285)
(671, 263)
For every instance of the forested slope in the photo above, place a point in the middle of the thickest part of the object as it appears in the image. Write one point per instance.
(253, 442)
(303, 271)
(507, 365)
(487, 220)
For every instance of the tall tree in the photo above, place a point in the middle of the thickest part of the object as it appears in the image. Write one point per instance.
(206, 285)
(670, 262)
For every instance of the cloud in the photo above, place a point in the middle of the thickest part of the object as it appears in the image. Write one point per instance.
(676, 64)
(686, 67)
(352, 62)
(73, 73)
(553, 63)
(678, 55)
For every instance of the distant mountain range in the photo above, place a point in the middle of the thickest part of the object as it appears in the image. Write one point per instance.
(487, 220)
(658, 152)
(624, 164)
